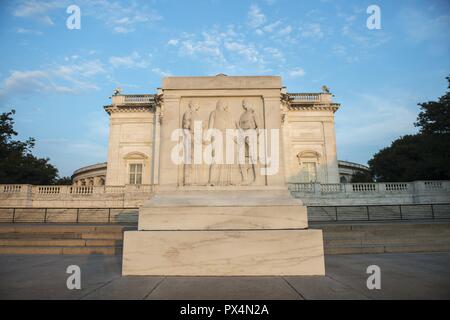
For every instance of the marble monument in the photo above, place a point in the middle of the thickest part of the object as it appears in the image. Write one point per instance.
(221, 205)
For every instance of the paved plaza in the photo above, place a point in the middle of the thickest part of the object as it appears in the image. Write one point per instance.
(403, 276)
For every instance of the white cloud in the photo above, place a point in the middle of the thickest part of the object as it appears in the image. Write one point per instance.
(285, 31)
(172, 42)
(245, 50)
(296, 72)
(311, 30)
(121, 18)
(275, 53)
(209, 47)
(134, 60)
(58, 78)
(118, 17)
(272, 26)
(38, 10)
(161, 73)
(255, 17)
(28, 31)
(230, 51)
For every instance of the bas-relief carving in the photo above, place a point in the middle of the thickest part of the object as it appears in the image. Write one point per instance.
(192, 173)
(221, 119)
(220, 174)
(248, 123)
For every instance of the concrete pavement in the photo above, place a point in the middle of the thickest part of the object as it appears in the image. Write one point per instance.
(403, 276)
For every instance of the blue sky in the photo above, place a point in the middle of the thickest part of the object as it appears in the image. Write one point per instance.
(59, 79)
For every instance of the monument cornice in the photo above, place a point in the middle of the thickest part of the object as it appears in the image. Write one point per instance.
(316, 107)
(128, 108)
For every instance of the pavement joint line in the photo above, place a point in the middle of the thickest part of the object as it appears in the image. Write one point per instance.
(293, 288)
(154, 288)
(350, 287)
(97, 288)
(39, 264)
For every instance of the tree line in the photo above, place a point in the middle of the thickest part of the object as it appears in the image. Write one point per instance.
(17, 163)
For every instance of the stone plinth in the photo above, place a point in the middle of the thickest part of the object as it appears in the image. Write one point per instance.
(224, 253)
(212, 209)
(252, 231)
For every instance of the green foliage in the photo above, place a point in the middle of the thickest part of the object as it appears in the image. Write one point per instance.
(424, 156)
(413, 157)
(64, 181)
(359, 177)
(435, 115)
(17, 163)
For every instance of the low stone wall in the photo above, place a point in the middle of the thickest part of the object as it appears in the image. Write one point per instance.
(130, 196)
(25, 196)
(417, 192)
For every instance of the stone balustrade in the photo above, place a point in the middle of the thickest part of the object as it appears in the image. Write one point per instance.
(372, 193)
(374, 187)
(132, 99)
(73, 196)
(23, 195)
(311, 97)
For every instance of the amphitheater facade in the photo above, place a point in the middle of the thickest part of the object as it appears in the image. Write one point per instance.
(307, 138)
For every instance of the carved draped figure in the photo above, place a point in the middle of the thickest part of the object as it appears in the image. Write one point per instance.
(192, 172)
(220, 173)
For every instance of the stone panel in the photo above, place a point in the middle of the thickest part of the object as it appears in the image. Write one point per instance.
(6, 214)
(62, 215)
(223, 253)
(29, 215)
(223, 217)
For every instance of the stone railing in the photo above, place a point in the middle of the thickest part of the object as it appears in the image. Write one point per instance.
(375, 187)
(425, 192)
(133, 98)
(372, 193)
(310, 97)
(73, 196)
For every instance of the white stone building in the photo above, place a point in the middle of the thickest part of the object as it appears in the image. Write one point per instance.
(307, 137)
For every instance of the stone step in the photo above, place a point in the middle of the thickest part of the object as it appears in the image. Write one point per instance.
(387, 241)
(102, 235)
(404, 226)
(61, 239)
(61, 250)
(20, 235)
(399, 248)
(384, 235)
(58, 243)
(57, 228)
(356, 238)
(84, 235)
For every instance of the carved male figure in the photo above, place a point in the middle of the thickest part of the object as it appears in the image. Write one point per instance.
(220, 120)
(248, 124)
(191, 141)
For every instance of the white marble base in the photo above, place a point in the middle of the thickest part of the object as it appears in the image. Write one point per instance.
(223, 218)
(227, 209)
(224, 253)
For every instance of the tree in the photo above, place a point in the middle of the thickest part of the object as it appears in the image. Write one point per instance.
(435, 115)
(17, 163)
(413, 157)
(423, 156)
(64, 181)
(360, 176)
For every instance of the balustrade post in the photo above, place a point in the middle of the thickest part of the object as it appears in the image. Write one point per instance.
(348, 187)
(317, 188)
